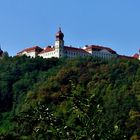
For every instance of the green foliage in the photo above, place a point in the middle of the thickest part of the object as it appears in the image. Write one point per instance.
(80, 98)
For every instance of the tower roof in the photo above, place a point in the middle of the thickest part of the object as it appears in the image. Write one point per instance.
(59, 34)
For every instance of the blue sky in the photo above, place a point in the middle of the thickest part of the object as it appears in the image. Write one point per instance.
(111, 23)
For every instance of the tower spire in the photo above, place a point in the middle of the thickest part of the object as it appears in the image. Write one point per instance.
(59, 28)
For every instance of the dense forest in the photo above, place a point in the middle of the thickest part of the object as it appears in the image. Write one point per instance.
(69, 99)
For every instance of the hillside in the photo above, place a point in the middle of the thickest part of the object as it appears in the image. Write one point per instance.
(74, 99)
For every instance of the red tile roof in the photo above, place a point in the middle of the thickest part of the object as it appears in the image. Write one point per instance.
(136, 56)
(35, 48)
(47, 49)
(125, 57)
(100, 48)
(74, 49)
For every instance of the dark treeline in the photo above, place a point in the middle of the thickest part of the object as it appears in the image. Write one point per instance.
(69, 99)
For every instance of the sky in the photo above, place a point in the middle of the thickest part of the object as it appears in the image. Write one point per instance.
(110, 23)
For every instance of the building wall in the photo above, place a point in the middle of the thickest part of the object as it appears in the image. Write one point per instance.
(75, 53)
(59, 48)
(49, 54)
(31, 54)
(59, 52)
(104, 55)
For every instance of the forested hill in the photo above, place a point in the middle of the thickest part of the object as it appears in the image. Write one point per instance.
(69, 99)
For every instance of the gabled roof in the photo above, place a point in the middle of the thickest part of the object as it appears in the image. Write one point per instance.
(35, 48)
(74, 49)
(100, 48)
(47, 49)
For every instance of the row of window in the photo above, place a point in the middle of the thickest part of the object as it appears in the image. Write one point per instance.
(49, 53)
(103, 55)
(69, 53)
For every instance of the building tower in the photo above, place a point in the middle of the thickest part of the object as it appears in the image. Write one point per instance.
(59, 44)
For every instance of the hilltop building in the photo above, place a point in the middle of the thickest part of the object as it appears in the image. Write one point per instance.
(137, 55)
(60, 50)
